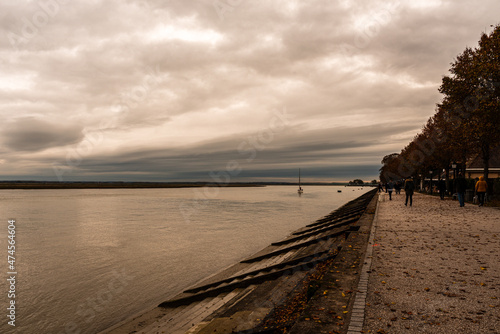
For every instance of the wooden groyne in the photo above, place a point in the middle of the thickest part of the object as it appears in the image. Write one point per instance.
(250, 296)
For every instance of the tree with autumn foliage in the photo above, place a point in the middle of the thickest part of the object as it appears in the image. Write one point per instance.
(388, 171)
(471, 100)
(467, 120)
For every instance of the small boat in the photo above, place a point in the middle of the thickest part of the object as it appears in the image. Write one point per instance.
(339, 191)
(300, 190)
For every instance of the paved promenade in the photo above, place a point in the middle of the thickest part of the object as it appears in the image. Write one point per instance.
(435, 268)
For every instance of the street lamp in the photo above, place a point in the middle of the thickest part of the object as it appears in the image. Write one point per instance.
(454, 166)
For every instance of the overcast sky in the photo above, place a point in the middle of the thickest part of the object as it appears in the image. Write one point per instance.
(231, 89)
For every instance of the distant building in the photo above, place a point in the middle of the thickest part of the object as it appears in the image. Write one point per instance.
(475, 167)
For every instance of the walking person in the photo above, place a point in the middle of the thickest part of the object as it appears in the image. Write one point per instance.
(481, 188)
(441, 188)
(390, 188)
(409, 189)
(461, 186)
(397, 187)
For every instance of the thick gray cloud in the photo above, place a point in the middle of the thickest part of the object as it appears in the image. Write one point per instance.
(30, 134)
(172, 90)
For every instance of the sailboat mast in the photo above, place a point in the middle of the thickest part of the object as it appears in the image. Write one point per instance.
(300, 191)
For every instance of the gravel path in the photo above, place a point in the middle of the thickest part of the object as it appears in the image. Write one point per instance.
(435, 268)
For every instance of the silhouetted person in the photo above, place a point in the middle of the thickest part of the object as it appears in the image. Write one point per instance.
(481, 188)
(390, 188)
(397, 187)
(441, 188)
(409, 189)
(461, 186)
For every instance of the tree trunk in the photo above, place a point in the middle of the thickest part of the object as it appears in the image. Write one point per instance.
(464, 167)
(486, 160)
(447, 178)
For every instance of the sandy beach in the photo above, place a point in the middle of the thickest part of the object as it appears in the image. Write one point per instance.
(435, 268)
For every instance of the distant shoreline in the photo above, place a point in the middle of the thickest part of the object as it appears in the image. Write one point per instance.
(110, 185)
(122, 185)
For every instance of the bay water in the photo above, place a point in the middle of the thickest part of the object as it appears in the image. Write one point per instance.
(86, 259)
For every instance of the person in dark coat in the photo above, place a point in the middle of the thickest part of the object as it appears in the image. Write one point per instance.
(461, 186)
(397, 187)
(409, 189)
(390, 188)
(441, 188)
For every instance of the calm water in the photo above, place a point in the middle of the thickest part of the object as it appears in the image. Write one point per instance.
(87, 259)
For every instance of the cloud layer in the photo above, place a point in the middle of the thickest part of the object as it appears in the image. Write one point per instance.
(155, 90)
